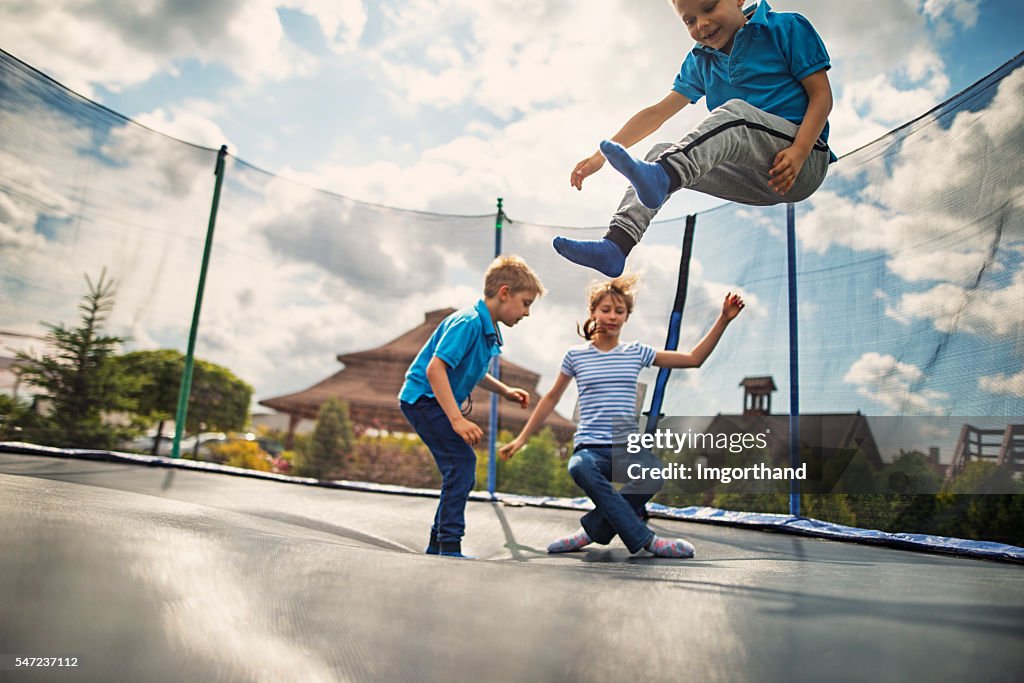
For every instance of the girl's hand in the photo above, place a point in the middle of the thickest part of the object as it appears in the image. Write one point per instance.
(587, 167)
(732, 306)
(520, 396)
(510, 449)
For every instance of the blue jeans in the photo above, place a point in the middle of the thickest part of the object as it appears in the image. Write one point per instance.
(615, 512)
(455, 459)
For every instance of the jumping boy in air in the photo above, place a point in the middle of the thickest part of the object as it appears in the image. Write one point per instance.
(453, 361)
(764, 142)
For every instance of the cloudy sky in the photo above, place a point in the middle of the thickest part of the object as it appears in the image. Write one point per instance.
(445, 104)
(442, 106)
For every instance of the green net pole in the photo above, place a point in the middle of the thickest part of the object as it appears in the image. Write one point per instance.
(186, 375)
(492, 461)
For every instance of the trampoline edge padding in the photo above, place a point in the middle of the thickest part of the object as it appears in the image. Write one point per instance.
(961, 547)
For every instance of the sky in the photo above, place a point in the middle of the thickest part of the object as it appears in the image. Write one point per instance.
(444, 106)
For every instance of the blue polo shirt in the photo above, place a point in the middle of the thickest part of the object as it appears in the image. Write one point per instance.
(466, 341)
(770, 55)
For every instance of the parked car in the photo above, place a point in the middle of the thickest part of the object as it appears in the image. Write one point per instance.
(144, 444)
(200, 446)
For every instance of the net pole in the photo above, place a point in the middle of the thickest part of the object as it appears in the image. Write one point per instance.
(492, 432)
(794, 362)
(186, 375)
(674, 324)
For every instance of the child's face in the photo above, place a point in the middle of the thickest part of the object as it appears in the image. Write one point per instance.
(514, 307)
(713, 23)
(611, 314)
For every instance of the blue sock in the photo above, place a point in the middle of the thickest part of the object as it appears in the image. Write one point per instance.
(650, 180)
(602, 255)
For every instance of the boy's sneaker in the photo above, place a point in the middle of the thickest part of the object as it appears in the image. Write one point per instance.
(457, 554)
(663, 547)
(450, 549)
(570, 544)
(433, 547)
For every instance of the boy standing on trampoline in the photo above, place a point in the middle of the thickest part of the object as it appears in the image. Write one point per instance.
(764, 142)
(453, 361)
(606, 372)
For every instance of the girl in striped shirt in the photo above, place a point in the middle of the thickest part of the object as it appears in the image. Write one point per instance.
(606, 372)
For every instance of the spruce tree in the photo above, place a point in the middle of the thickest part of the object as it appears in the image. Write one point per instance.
(332, 438)
(79, 380)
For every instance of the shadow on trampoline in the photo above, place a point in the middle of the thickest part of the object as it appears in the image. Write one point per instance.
(513, 546)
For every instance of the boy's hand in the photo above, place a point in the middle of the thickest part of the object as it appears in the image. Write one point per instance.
(510, 449)
(520, 396)
(785, 168)
(469, 432)
(587, 167)
(732, 306)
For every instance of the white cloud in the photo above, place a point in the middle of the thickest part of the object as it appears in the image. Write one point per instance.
(929, 191)
(1003, 384)
(884, 379)
(85, 43)
(342, 22)
(984, 312)
(946, 13)
(184, 123)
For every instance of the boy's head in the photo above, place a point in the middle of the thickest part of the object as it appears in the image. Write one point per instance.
(712, 23)
(510, 288)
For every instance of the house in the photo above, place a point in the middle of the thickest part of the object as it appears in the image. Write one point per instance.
(828, 441)
(370, 381)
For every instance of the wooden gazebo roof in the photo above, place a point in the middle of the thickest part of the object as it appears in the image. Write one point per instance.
(370, 382)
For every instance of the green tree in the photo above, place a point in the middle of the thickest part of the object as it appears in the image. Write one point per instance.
(81, 381)
(332, 439)
(909, 473)
(158, 375)
(17, 419)
(537, 470)
(219, 400)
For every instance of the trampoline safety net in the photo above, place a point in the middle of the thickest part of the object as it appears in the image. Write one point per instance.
(909, 285)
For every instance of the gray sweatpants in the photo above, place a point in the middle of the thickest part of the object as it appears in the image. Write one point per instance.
(728, 155)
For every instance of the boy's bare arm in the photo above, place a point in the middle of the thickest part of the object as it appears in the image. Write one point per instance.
(495, 386)
(437, 375)
(787, 163)
(639, 126)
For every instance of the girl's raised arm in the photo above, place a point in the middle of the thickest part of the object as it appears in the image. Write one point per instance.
(694, 359)
(544, 408)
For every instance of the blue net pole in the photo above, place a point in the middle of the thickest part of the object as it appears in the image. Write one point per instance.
(675, 322)
(492, 439)
(794, 363)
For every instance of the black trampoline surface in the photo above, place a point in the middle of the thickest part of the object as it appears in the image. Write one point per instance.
(156, 574)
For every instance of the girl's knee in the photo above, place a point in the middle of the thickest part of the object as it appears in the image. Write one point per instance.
(579, 466)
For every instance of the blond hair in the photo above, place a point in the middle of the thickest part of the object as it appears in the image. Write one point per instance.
(622, 289)
(511, 271)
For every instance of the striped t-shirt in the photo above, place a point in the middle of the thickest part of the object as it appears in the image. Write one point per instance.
(606, 381)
